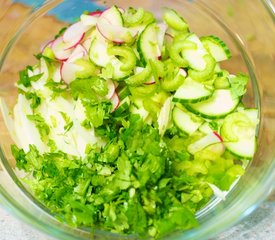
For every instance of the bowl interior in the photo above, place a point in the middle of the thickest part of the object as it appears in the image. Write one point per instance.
(38, 24)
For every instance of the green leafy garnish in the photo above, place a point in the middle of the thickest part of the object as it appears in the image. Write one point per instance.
(24, 78)
(238, 85)
(35, 99)
(57, 88)
(92, 89)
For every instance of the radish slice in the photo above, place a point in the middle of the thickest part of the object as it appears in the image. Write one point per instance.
(111, 89)
(212, 140)
(115, 101)
(8, 120)
(61, 50)
(68, 71)
(150, 81)
(164, 115)
(121, 10)
(168, 38)
(182, 72)
(79, 52)
(74, 34)
(113, 16)
(47, 44)
(116, 34)
(87, 44)
(89, 20)
(95, 13)
(75, 56)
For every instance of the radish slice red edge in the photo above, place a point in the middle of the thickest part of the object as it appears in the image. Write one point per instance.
(116, 34)
(182, 72)
(74, 34)
(111, 89)
(95, 13)
(76, 43)
(218, 136)
(78, 52)
(60, 49)
(68, 71)
(150, 81)
(47, 44)
(115, 101)
(212, 140)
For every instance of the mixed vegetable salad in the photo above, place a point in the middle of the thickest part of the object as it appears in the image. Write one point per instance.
(129, 124)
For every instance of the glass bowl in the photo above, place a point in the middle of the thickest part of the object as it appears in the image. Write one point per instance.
(249, 31)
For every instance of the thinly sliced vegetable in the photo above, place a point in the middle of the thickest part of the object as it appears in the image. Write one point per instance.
(74, 34)
(218, 105)
(186, 121)
(114, 33)
(68, 71)
(164, 116)
(115, 101)
(61, 50)
(148, 44)
(238, 131)
(216, 47)
(113, 16)
(210, 139)
(89, 20)
(191, 92)
(98, 52)
(244, 148)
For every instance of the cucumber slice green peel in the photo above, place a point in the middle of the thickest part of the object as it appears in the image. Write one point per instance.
(216, 47)
(220, 104)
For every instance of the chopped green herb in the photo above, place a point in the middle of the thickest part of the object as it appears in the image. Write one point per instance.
(41, 125)
(24, 78)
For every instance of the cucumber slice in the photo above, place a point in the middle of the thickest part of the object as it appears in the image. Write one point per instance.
(252, 114)
(113, 15)
(194, 57)
(238, 131)
(123, 93)
(216, 47)
(147, 44)
(205, 128)
(98, 52)
(123, 106)
(192, 92)
(245, 148)
(237, 126)
(240, 125)
(186, 121)
(219, 105)
(164, 116)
